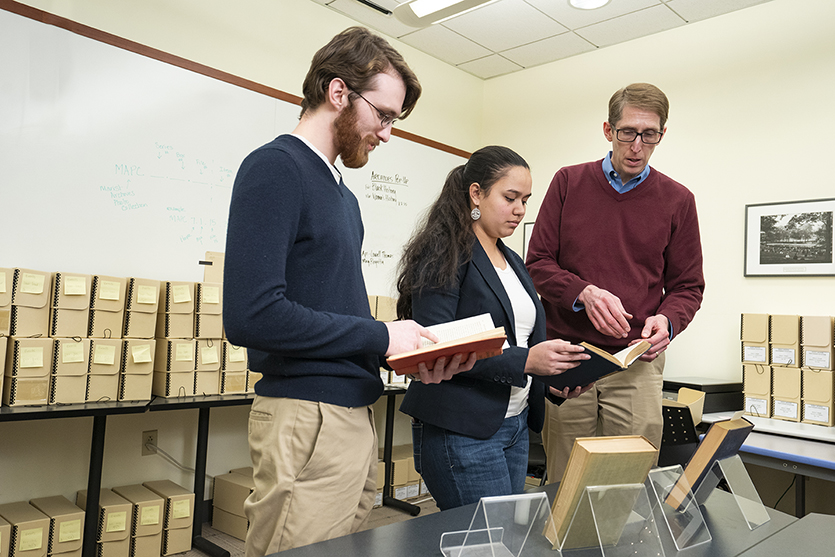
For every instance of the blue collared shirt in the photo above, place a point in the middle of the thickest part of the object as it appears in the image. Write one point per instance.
(614, 178)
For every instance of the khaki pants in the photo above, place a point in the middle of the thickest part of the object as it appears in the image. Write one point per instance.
(315, 471)
(626, 403)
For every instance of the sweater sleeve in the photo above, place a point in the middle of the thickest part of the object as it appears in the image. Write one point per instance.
(684, 282)
(553, 283)
(264, 233)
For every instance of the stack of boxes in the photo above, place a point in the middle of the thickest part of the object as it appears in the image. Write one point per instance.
(146, 523)
(775, 384)
(178, 513)
(405, 481)
(136, 373)
(230, 492)
(27, 530)
(176, 347)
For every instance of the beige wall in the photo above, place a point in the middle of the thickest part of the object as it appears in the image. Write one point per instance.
(750, 122)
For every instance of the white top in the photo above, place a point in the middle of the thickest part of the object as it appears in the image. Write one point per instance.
(524, 315)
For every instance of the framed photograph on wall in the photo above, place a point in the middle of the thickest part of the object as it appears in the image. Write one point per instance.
(789, 239)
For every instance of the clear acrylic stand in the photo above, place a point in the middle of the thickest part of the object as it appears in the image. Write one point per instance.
(504, 526)
(617, 519)
(733, 471)
(685, 523)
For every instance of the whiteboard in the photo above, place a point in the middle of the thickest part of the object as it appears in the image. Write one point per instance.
(120, 164)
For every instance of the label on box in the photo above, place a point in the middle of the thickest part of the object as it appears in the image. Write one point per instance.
(785, 409)
(378, 500)
(184, 352)
(816, 359)
(116, 522)
(211, 295)
(424, 490)
(31, 356)
(141, 353)
(70, 531)
(412, 490)
(75, 286)
(181, 294)
(104, 354)
(2, 282)
(816, 413)
(783, 356)
(755, 354)
(149, 515)
(31, 538)
(32, 284)
(109, 290)
(146, 294)
(209, 355)
(181, 509)
(401, 492)
(236, 354)
(72, 352)
(756, 406)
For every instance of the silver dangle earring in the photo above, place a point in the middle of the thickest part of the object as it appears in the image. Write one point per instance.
(475, 214)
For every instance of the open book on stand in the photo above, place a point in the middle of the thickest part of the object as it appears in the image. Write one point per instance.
(464, 336)
(601, 364)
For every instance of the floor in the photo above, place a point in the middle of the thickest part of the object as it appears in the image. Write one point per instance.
(379, 517)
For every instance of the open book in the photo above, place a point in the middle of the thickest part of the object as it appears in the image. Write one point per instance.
(464, 336)
(601, 364)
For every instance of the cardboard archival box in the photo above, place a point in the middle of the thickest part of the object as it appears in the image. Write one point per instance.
(107, 307)
(381, 474)
(69, 312)
(115, 517)
(817, 390)
(6, 289)
(66, 524)
(27, 372)
(757, 389)
(386, 309)
(817, 341)
(208, 310)
(234, 357)
(208, 355)
(246, 471)
(4, 343)
(179, 503)
(71, 357)
(786, 393)
(5, 534)
(141, 303)
(116, 548)
(105, 364)
(785, 340)
(232, 382)
(30, 303)
(136, 375)
(147, 509)
(754, 335)
(230, 523)
(29, 529)
(213, 266)
(146, 546)
(230, 492)
(174, 364)
(175, 317)
(252, 378)
(372, 305)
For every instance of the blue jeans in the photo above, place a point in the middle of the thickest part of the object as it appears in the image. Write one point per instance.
(459, 470)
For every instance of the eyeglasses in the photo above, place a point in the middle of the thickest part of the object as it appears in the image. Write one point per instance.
(386, 120)
(649, 137)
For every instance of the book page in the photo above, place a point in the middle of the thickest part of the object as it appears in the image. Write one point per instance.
(624, 356)
(454, 330)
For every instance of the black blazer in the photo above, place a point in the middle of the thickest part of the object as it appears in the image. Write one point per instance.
(474, 403)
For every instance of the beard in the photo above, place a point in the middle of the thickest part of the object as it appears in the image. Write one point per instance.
(351, 146)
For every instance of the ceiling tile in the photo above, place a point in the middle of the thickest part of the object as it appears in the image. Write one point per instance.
(505, 24)
(571, 17)
(370, 17)
(548, 50)
(489, 66)
(631, 26)
(445, 44)
(695, 10)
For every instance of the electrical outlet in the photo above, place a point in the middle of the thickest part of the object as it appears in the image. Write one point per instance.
(149, 439)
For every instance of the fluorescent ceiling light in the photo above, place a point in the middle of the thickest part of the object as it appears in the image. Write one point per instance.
(420, 13)
(588, 4)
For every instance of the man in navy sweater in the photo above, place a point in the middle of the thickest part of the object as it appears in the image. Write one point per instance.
(294, 295)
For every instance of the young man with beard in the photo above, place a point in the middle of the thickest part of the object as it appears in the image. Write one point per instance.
(294, 295)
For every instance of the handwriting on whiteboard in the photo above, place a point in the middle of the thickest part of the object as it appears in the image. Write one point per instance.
(386, 189)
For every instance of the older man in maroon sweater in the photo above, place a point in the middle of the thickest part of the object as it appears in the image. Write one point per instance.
(616, 257)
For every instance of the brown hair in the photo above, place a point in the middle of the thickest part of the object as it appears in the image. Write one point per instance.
(356, 56)
(640, 95)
